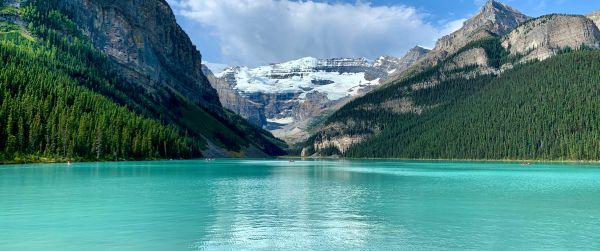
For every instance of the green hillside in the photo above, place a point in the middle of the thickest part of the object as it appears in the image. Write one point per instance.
(542, 110)
(60, 100)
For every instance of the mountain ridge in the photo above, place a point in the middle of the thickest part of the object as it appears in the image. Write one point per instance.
(493, 19)
(288, 98)
(140, 58)
(480, 59)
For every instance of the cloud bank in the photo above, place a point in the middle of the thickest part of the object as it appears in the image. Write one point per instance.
(256, 32)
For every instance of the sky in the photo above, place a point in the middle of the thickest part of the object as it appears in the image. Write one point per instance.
(260, 32)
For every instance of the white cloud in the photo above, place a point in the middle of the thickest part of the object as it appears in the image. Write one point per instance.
(255, 32)
(452, 26)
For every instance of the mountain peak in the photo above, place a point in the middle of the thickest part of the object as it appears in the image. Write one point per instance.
(490, 4)
(497, 18)
(419, 48)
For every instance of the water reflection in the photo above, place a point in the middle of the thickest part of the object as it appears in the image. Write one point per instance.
(314, 205)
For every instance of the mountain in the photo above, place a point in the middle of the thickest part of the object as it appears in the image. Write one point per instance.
(542, 37)
(595, 16)
(289, 98)
(232, 100)
(394, 65)
(130, 56)
(521, 93)
(494, 19)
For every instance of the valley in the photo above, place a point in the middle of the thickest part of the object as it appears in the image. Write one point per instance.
(170, 104)
(289, 98)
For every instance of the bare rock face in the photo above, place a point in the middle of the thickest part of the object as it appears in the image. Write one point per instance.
(595, 16)
(541, 38)
(394, 65)
(342, 143)
(233, 101)
(530, 38)
(147, 46)
(286, 98)
(475, 56)
(494, 19)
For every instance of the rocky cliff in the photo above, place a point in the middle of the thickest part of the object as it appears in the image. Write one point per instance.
(486, 47)
(235, 102)
(146, 44)
(542, 37)
(595, 16)
(494, 19)
(289, 98)
(159, 74)
(394, 65)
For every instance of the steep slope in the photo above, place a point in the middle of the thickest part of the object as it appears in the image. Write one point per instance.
(388, 121)
(542, 37)
(394, 65)
(145, 42)
(161, 83)
(289, 98)
(595, 16)
(544, 110)
(494, 19)
(235, 102)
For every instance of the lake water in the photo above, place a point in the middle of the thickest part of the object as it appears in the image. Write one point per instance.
(305, 205)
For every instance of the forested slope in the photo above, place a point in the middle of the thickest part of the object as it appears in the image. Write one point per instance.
(538, 110)
(60, 99)
(545, 110)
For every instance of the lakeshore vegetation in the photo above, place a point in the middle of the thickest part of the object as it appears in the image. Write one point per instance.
(538, 110)
(60, 100)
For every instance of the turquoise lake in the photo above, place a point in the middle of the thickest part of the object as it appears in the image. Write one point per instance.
(304, 205)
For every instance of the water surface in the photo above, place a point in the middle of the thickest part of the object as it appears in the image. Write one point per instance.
(305, 205)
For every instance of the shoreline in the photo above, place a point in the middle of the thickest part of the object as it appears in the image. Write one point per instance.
(524, 161)
(516, 161)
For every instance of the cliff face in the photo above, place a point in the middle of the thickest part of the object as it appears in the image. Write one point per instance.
(595, 16)
(235, 102)
(159, 70)
(288, 98)
(494, 19)
(148, 47)
(487, 46)
(394, 65)
(543, 37)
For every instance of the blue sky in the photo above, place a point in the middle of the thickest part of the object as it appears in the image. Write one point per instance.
(257, 32)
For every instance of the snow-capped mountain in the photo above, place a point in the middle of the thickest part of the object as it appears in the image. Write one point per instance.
(290, 95)
(336, 78)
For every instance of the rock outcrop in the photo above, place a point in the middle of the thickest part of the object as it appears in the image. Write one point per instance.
(394, 65)
(147, 46)
(235, 102)
(286, 98)
(479, 48)
(595, 16)
(472, 57)
(542, 37)
(159, 72)
(494, 19)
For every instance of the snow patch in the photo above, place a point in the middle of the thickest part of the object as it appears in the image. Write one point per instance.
(303, 76)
